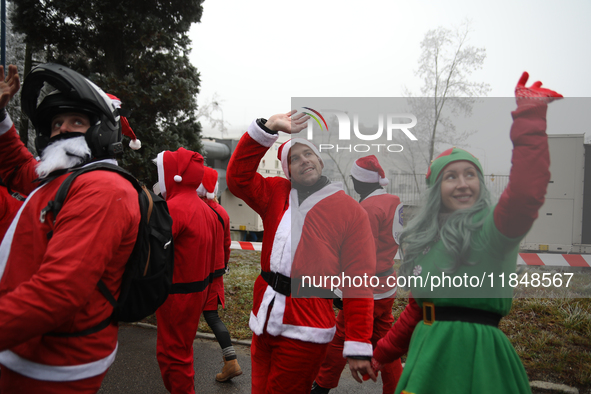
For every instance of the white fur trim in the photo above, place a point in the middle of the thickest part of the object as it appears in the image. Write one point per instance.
(135, 144)
(275, 322)
(284, 160)
(384, 181)
(363, 175)
(178, 178)
(257, 322)
(353, 348)
(210, 196)
(54, 373)
(261, 136)
(7, 241)
(309, 334)
(201, 192)
(300, 212)
(281, 256)
(398, 223)
(63, 154)
(160, 165)
(377, 192)
(387, 294)
(5, 125)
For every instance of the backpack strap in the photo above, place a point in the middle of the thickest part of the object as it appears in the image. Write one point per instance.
(54, 206)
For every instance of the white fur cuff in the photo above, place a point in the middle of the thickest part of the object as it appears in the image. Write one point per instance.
(5, 125)
(352, 348)
(261, 136)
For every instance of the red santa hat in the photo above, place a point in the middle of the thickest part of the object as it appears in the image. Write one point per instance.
(367, 169)
(209, 184)
(285, 148)
(134, 144)
(182, 167)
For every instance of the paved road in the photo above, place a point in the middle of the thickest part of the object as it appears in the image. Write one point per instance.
(136, 371)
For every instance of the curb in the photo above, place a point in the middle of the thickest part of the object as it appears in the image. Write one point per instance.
(200, 335)
(534, 384)
(552, 387)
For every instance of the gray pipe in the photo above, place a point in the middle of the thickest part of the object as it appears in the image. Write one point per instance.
(216, 150)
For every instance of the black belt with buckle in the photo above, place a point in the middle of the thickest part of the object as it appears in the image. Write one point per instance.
(279, 282)
(282, 284)
(432, 313)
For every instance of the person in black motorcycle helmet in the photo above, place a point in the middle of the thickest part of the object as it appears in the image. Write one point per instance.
(51, 89)
(56, 331)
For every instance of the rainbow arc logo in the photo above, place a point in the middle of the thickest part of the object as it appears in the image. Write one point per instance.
(316, 118)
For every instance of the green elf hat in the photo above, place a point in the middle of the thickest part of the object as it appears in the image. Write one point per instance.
(447, 157)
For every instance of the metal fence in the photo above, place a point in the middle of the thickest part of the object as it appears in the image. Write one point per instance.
(411, 187)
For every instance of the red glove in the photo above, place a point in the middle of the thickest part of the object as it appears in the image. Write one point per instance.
(535, 91)
(376, 366)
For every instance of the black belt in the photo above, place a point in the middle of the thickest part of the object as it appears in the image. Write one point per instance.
(279, 282)
(432, 313)
(282, 284)
(387, 272)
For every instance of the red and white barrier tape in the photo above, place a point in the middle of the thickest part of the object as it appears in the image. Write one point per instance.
(258, 246)
(547, 259)
(554, 260)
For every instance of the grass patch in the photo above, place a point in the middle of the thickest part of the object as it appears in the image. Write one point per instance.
(244, 266)
(551, 335)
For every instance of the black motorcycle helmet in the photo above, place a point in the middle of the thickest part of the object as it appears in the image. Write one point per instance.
(50, 89)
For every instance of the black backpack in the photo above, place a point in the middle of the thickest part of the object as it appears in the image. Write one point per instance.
(148, 273)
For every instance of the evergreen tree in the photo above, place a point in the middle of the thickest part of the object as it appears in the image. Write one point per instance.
(136, 50)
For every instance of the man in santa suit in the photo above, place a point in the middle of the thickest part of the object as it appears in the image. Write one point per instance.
(385, 216)
(56, 332)
(311, 227)
(195, 231)
(208, 191)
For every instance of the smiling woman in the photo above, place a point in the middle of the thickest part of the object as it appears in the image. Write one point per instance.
(460, 234)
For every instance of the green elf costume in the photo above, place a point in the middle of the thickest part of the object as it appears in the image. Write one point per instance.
(456, 345)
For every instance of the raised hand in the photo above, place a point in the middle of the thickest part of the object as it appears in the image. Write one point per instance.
(288, 123)
(9, 86)
(534, 92)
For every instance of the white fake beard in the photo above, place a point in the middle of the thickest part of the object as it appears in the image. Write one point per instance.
(63, 154)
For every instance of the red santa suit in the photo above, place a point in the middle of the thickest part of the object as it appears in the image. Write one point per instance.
(9, 206)
(48, 285)
(207, 191)
(216, 290)
(195, 231)
(330, 235)
(385, 216)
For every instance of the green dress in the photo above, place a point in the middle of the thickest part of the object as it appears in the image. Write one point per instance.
(459, 357)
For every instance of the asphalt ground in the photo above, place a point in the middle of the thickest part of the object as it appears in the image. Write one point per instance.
(135, 370)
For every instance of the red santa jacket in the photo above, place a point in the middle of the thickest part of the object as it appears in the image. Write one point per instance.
(222, 262)
(331, 232)
(385, 217)
(195, 227)
(50, 285)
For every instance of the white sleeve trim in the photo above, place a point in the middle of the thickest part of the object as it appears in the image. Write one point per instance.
(5, 125)
(261, 136)
(352, 348)
(54, 373)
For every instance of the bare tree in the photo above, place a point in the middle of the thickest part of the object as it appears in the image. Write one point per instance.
(212, 112)
(445, 65)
